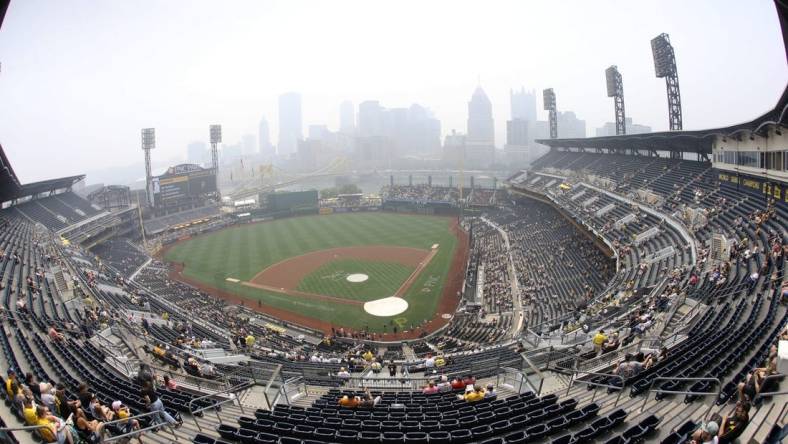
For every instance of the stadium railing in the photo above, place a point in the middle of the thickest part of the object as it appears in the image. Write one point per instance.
(232, 395)
(574, 379)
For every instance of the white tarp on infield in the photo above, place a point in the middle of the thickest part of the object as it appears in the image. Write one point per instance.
(389, 306)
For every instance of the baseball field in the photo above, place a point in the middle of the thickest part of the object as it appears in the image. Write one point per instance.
(376, 271)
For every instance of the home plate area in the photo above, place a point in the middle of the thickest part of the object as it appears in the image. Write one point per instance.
(389, 306)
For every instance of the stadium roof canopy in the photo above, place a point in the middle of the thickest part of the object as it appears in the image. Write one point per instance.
(11, 189)
(699, 141)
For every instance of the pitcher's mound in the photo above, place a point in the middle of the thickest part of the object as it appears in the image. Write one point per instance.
(358, 277)
(389, 306)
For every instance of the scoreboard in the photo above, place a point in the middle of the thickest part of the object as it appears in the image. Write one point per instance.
(182, 183)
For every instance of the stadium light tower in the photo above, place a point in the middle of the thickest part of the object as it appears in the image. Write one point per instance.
(216, 139)
(665, 66)
(148, 143)
(548, 97)
(615, 89)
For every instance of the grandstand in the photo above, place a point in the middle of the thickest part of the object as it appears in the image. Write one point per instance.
(596, 308)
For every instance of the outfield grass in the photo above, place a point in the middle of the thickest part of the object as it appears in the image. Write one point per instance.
(243, 251)
(330, 279)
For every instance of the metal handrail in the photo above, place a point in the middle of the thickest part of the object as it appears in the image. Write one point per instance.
(153, 425)
(620, 389)
(201, 383)
(682, 392)
(538, 373)
(778, 392)
(229, 391)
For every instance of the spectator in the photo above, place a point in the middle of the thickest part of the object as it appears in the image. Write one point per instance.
(490, 392)
(92, 429)
(343, 373)
(49, 399)
(706, 434)
(84, 395)
(10, 383)
(599, 340)
(349, 402)
(750, 388)
(369, 401)
(732, 426)
(170, 384)
(456, 384)
(392, 369)
(473, 394)
(55, 335)
(122, 413)
(611, 344)
(444, 385)
(429, 362)
(151, 399)
(376, 367)
(52, 428)
(430, 389)
(29, 412)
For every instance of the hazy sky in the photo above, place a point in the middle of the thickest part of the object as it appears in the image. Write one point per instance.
(80, 78)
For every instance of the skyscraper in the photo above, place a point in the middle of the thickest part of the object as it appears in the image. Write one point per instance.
(347, 118)
(290, 125)
(480, 120)
(569, 126)
(370, 118)
(264, 146)
(480, 141)
(523, 105)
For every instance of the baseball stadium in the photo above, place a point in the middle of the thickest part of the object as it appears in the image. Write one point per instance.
(393, 281)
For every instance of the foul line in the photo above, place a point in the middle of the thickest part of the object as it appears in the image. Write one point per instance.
(303, 294)
(412, 278)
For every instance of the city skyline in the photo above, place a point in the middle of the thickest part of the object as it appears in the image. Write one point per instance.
(92, 98)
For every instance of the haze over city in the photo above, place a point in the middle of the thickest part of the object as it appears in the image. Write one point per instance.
(80, 79)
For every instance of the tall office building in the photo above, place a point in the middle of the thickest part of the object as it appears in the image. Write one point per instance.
(480, 140)
(196, 152)
(569, 126)
(290, 124)
(264, 146)
(370, 118)
(480, 119)
(347, 117)
(523, 105)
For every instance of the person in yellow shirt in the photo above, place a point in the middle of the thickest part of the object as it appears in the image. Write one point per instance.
(51, 429)
(476, 393)
(368, 356)
(598, 340)
(249, 341)
(440, 361)
(9, 383)
(29, 412)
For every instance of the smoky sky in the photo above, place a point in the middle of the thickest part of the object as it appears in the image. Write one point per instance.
(81, 78)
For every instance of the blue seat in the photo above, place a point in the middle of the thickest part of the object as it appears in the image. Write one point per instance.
(439, 437)
(415, 437)
(392, 438)
(202, 439)
(346, 436)
(368, 437)
(461, 436)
